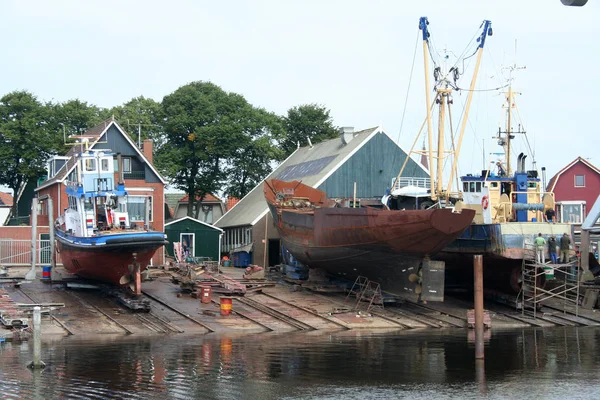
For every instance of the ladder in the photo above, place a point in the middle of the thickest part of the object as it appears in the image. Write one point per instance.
(366, 290)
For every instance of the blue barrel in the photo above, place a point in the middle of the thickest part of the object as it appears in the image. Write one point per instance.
(46, 272)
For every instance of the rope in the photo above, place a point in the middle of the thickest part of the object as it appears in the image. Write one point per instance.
(409, 82)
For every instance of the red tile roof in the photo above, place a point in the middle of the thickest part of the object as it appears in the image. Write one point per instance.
(6, 199)
(207, 198)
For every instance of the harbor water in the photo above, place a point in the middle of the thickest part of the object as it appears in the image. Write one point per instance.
(526, 364)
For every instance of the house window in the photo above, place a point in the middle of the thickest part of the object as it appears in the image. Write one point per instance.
(571, 213)
(579, 180)
(206, 214)
(136, 207)
(127, 165)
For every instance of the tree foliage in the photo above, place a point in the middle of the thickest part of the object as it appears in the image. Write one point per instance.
(25, 141)
(209, 132)
(141, 118)
(206, 140)
(309, 121)
(252, 160)
(72, 117)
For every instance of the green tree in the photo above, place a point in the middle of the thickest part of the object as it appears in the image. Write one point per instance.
(72, 117)
(253, 160)
(25, 140)
(309, 121)
(207, 130)
(142, 118)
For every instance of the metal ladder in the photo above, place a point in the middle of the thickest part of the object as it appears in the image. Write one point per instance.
(366, 290)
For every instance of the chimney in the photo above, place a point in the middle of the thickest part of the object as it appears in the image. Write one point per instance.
(147, 148)
(346, 134)
(424, 161)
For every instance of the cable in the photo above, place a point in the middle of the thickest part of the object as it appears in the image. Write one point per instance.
(408, 89)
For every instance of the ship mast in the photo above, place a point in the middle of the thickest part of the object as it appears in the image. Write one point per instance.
(423, 22)
(487, 31)
(443, 89)
(504, 138)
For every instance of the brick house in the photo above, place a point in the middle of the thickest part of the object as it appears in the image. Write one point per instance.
(576, 187)
(142, 180)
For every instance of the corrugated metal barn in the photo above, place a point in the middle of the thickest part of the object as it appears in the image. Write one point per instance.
(198, 238)
(369, 158)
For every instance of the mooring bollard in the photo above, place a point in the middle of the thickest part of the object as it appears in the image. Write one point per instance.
(37, 362)
(478, 271)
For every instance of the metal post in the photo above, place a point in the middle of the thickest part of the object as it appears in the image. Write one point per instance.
(478, 268)
(266, 241)
(31, 274)
(147, 213)
(354, 198)
(480, 375)
(37, 339)
(50, 207)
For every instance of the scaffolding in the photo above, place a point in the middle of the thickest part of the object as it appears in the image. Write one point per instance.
(366, 290)
(562, 281)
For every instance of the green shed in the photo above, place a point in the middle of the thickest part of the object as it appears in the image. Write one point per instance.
(197, 237)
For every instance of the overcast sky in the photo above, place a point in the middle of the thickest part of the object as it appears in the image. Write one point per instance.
(354, 57)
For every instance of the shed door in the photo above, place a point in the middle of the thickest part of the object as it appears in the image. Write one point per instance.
(187, 244)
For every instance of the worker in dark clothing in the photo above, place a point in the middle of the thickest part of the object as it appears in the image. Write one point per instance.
(552, 243)
(565, 245)
(550, 215)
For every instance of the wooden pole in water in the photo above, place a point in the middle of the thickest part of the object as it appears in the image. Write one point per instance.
(37, 339)
(478, 270)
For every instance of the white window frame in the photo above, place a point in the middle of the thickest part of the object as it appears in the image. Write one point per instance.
(127, 168)
(193, 235)
(571, 203)
(90, 165)
(151, 205)
(575, 181)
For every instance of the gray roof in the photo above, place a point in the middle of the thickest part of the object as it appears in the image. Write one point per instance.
(311, 165)
(172, 199)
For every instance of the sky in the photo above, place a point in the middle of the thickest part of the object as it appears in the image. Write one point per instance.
(353, 57)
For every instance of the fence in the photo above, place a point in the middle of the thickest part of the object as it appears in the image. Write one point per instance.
(18, 253)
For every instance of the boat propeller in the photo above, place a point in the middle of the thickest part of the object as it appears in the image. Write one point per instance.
(133, 280)
(414, 278)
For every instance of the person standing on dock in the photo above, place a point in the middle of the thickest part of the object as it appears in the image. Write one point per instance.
(552, 243)
(540, 249)
(565, 244)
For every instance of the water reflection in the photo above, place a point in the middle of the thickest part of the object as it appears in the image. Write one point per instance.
(306, 365)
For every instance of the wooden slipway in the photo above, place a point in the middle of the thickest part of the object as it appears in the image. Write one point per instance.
(274, 307)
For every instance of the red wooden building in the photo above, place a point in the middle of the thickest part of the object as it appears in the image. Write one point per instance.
(576, 187)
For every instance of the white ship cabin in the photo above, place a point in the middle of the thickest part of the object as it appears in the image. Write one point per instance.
(499, 199)
(97, 203)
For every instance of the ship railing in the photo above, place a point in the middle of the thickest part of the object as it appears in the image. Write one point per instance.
(411, 181)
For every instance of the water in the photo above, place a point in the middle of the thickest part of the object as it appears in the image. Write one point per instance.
(526, 364)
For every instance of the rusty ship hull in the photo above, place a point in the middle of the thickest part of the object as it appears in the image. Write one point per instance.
(383, 245)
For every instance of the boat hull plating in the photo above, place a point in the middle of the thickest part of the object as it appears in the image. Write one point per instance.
(108, 260)
(384, 245)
